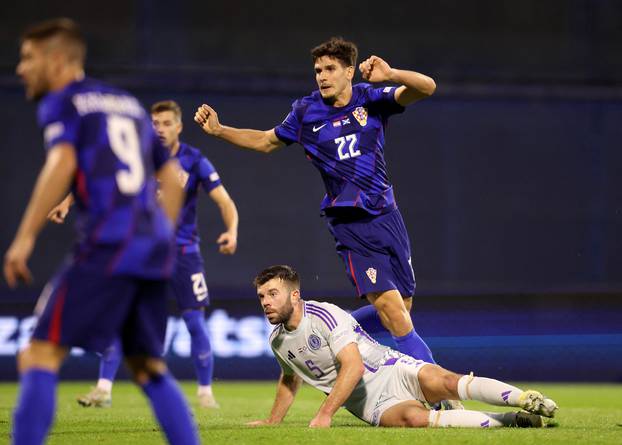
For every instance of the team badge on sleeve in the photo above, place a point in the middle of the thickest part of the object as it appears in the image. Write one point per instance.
(360, 114)
(371, 274)
(314, 342)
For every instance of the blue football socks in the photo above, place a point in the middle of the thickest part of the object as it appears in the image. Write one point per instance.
(368, 318)
(413, 345)
(200, 347)
(34, 412)
(171, 410)
(110, 361)
(409, 344)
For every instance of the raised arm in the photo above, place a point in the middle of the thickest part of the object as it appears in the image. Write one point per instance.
(350, 372)
(414, 86)
(51, 186)
(228, 240)
(258, 140)
(286, 390)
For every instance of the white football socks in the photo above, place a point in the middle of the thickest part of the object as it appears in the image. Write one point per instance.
(488, 390)
(205, 390)
(469, 419)
(105, 385)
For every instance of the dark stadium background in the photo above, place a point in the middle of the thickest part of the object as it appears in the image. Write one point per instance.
(509, 177)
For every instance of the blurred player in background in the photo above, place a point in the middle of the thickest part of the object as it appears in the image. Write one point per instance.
(341, 128)
(99, 142)
(321, 344)
(188, 280)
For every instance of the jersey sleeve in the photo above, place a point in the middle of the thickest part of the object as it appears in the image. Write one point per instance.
(383, 100)
(288, 131)
(60, 122)
(343, 333)
(208, 176)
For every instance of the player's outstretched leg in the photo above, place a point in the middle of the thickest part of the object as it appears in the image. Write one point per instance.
(499, 393)
(167, 400)
(412, 414)
(438, 383)
(36, 403)
(393, 314)
(202, 356)
(478, 419)
(393, 311)
(101, 395)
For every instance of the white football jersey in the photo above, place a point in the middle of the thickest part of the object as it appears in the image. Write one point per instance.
(311, 350)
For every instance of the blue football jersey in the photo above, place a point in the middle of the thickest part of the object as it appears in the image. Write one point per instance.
(346, 144)
(120, 224)
(197, 171)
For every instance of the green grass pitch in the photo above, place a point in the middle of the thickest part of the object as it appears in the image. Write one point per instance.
(588, 414)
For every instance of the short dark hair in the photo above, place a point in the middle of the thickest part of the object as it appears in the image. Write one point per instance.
(283, 272)
(167, 105)
(342, 50)
(64, 29)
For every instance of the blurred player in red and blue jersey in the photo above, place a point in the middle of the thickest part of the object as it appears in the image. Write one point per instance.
(100, 143)
(188, 280)
(341, 127)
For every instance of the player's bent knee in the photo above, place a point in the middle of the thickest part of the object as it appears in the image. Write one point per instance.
(144, 369)
(450, 382)
(416, 418)
(438, 383)
(409, 414)
(41, 355)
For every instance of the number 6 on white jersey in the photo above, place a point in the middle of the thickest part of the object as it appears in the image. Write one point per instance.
(125, 144)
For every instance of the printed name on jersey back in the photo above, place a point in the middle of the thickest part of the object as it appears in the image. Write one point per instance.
(98, 102)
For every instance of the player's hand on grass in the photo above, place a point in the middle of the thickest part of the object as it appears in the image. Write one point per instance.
(228, 243)
(15, 259)
(207, 118)
(375, 69)
(320, 421)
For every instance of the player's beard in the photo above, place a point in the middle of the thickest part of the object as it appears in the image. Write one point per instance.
(286, 313)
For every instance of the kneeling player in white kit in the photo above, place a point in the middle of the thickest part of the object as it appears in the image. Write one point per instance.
(324, 346)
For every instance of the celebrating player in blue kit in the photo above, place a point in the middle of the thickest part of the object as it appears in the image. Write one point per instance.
(188, 280)
(341, 127)
(99, 142)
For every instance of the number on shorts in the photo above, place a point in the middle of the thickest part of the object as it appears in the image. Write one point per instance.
(198, 286)
(125, 144)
